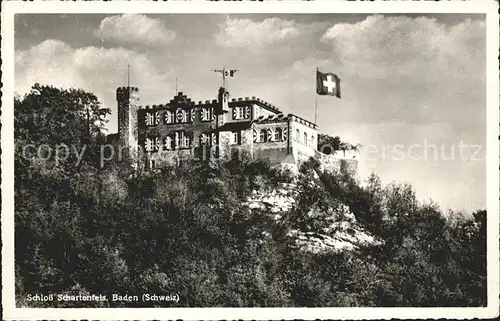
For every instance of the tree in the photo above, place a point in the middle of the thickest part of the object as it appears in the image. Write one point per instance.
(56, 188)
(328, 144)
(56, 117)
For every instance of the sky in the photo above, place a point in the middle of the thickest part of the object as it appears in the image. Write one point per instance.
(413, 86)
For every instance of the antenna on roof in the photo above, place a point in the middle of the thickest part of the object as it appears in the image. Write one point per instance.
(225, 73)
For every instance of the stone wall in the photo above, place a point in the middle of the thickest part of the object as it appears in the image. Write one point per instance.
(302, 150)
(329, 162)
(274, 149)
(337, 163)
(349, 166)
(346, 154)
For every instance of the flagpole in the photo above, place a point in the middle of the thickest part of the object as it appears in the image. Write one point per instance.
(316, 104)
(128, 75)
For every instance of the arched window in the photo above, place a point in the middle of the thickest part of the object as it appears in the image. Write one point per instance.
(305, 139)
(297, 135)
(312, 141)
(277, 135)
(263, 136)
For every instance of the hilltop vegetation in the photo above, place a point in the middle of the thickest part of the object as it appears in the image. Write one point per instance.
(192, 230)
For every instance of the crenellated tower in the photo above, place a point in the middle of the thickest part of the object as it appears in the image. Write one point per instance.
(128, 104)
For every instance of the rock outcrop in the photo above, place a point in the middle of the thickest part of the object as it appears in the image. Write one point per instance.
(340, 232)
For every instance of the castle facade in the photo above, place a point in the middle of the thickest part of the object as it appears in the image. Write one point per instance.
(184, 129)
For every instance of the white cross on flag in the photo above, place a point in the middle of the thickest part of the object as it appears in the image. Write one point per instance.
(327, 84)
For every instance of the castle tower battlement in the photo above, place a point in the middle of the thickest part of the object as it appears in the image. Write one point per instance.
(128, 105)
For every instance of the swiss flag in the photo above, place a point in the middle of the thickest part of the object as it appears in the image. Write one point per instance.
(327, 84)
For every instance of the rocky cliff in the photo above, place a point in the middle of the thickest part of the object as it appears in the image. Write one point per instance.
(339, 229)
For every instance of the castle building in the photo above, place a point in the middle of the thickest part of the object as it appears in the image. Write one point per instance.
(184, 129)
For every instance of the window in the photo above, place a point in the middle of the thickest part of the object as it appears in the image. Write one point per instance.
(193, 114)
(177, 140)
(236, 113)
(270, 134)
(305, 139)
(167, 143)
(241, 113)
(277, 135)
(150, 119)
(182, 140)
(297, 135)
(186, 141)
(205, 114)
(152, 163)
(152, 144)
(149, 145)
(312, 141)
(204, 139)
(169, 117)
(263, 137)
(255, 136)
(236, 138)
(180, 116)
